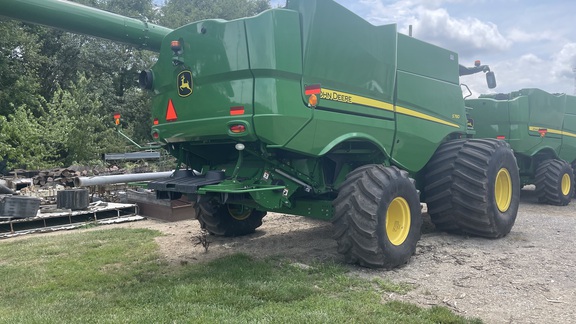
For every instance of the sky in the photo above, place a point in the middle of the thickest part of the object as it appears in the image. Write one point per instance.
(527, 43)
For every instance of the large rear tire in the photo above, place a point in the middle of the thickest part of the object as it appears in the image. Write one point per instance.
(554, 182)
(473, 187)
(377, 217)
(229, 219)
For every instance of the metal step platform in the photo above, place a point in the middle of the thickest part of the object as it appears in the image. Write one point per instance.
(185, 181)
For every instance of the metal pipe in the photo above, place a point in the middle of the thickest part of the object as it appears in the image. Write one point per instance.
(307, 187)
(86, 20)
(120, 178)
(149, 147)
(5, 190)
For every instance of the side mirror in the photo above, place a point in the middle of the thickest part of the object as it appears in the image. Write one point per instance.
(491, 80)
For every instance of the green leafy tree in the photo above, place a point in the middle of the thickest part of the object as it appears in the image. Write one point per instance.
(93, 133)
(178, 13)
(58, 90)
(20, 61)
(22, 140)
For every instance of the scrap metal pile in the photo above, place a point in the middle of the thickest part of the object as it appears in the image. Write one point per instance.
(46, 200)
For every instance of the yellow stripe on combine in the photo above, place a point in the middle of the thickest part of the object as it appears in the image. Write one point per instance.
(551, 131)
(413, 113)
(344, 97)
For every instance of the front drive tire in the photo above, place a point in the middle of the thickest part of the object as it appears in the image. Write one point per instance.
(377, 217)
(473, 187)
(229, 219)
(554, 182)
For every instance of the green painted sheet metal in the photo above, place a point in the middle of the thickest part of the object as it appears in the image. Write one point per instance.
(81, 19)
(499, 118)
(568, 150)
(359, 66)
(241, 63)
(429, 101)
(355, 64)
(215, 55)
(264, 63)
(276, 63)
(427, 60)
(546, 111)
(345, 53)
(533, 121)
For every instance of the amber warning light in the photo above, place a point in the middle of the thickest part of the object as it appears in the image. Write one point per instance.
(312, 91)
(117, 118)
(543, 132)
(175, 45)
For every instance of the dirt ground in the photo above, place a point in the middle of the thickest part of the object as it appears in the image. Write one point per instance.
(526, 277)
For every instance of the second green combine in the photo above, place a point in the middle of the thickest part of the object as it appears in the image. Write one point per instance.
(541, 129)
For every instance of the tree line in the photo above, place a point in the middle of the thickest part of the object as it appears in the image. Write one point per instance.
(58, 91)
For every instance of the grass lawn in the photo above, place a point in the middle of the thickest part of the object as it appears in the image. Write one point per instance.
(117, 276)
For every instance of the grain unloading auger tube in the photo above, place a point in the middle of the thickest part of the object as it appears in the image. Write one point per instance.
(80, 19)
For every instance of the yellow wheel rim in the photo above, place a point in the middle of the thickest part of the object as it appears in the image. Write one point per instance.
(398, 221)
(566, 184)
(503, 190)
(239, 212)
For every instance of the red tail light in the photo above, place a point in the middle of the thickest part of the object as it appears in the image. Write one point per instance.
(235, 111)
(312, 89)
(237, 129)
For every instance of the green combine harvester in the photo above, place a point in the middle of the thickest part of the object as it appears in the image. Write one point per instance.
(541, 129)
(310, 110)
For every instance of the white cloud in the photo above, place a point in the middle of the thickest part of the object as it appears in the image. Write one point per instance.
(528, 59)
(533, 71)
(550, 73)
(380, 14)
(435, 25)
(564, 62)
(433, 4)
(517, 35)
(468, 35)
(526, 71)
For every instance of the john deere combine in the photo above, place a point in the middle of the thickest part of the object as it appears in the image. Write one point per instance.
(310, 110)
(541, 129)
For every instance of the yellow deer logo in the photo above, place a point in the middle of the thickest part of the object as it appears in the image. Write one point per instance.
(185, 83)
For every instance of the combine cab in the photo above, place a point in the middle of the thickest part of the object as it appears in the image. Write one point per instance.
(541, 129)
(310, 110)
